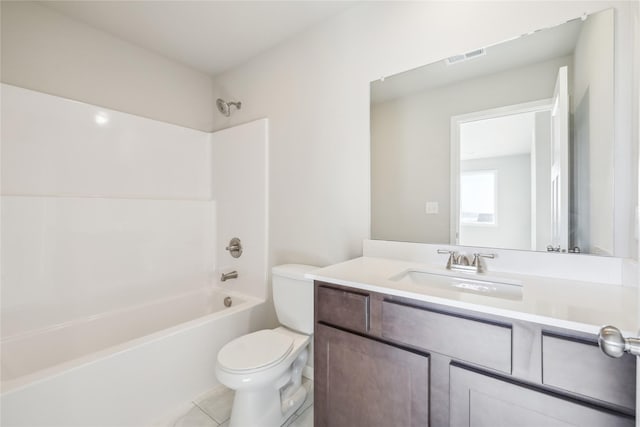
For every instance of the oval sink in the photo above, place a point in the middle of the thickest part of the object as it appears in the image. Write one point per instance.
(485, 285)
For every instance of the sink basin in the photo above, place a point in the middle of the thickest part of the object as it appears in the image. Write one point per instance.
(474, 284)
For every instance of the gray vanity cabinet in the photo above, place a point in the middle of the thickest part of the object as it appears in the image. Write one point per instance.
(383, 360)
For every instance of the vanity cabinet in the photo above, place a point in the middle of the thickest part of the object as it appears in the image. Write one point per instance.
(483, 400)
(383, 360)
(368, 383)
(466, 338)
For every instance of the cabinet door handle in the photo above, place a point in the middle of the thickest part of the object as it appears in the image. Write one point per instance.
(613, 344)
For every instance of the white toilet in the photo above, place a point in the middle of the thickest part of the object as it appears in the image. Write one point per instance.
(265, 367)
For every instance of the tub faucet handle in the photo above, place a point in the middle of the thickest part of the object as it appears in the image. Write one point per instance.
(235, 247)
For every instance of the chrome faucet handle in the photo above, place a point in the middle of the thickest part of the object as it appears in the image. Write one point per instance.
(453, 256)
(235, 247)
(477, 256)
(477, 263)
(446, 251)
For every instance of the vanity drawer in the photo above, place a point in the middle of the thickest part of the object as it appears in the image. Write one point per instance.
(474, 340)
(345, 309)
(579, 366)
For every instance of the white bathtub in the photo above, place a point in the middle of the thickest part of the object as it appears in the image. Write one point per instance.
(121, 368)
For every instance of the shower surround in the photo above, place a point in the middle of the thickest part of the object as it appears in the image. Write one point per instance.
(104, 213)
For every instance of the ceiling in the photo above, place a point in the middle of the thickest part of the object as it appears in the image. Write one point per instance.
(508, 135)
(210, 36)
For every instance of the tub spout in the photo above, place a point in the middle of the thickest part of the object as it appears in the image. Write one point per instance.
(231, 275)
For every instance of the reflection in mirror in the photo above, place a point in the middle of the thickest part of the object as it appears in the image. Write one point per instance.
(509, 146)
(514, 143)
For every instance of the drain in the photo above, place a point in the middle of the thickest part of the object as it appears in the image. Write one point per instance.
(228, 302)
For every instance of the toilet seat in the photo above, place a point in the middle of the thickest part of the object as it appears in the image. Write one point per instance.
(255, 351)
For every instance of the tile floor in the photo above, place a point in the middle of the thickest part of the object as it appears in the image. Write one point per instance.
(214, 408)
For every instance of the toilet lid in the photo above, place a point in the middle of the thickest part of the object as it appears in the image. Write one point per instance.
(255, 350)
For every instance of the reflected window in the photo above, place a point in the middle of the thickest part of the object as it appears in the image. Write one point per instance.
(478, 197)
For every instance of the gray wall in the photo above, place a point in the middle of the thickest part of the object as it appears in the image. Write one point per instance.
(513, 228)
(541, 209)
(410, 147)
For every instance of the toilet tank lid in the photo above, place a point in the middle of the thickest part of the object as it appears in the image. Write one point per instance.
(292, 271)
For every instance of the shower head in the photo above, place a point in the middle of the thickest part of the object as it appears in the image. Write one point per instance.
(225, 107)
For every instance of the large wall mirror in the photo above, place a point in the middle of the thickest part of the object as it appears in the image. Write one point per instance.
(508, 146)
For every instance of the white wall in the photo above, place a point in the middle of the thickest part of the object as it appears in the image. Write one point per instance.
(635, 116)
(49, 52)
(98, 216)
(410, 148)
(101, 216)
(625, 128)
(593, 90)
(315, 91)
(513, 228)
(240, 184)
(314, 88)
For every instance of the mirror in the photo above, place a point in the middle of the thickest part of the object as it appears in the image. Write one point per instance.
(508, 146)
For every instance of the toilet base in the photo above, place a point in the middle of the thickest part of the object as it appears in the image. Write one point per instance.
(272, 405)
(265, 408)
(290, 405)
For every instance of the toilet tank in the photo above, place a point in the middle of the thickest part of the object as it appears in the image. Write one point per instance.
(293, 296)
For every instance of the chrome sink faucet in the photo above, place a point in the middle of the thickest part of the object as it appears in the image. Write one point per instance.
(466, 263)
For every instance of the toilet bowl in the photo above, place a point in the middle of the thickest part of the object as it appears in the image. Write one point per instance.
(265, 367)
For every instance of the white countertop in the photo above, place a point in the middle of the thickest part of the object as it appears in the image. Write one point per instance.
(579, 306)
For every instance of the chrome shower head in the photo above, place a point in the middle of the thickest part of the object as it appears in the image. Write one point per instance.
(225, 107)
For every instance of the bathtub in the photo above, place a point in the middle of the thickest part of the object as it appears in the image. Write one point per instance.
(126, 367)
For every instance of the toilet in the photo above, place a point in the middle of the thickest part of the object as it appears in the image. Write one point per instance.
(265, 367)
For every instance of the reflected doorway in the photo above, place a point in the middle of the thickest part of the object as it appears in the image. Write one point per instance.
(501, 179)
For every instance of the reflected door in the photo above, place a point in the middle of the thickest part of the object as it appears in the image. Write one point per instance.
(560, 162)
(497, 165)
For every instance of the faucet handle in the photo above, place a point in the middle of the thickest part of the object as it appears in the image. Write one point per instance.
(446, 251)
(235, 247)
(492, 256)
(452, 257)
(476, 260)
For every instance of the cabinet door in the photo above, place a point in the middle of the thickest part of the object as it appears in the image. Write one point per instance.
(363, 382)
(483, 401)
